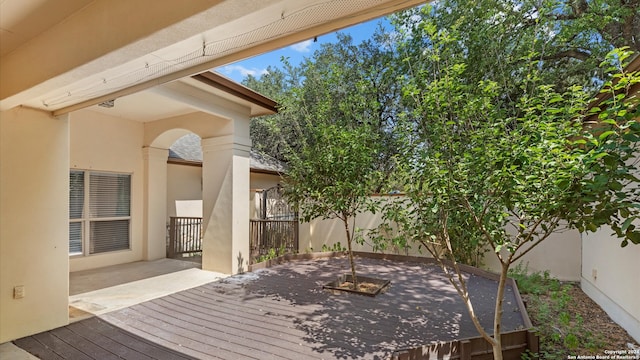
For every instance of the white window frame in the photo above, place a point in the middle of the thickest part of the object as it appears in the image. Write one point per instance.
(86, 218)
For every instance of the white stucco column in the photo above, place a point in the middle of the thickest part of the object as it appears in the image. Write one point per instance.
(225, 193)
(155, 203)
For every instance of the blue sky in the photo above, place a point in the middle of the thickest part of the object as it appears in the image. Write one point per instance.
(296, 53)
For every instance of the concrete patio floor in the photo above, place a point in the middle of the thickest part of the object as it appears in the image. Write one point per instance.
(283, 313)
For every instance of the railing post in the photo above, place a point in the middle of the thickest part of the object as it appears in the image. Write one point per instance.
(172, 237)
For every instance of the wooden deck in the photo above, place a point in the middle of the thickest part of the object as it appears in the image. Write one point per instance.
(94, 339)
(283, 313)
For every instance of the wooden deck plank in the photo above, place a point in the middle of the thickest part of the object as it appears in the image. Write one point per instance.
(224, 321)
(141, 346)
(87, 347)
(260, 339)
(253, 314)
(236, 314)
(174, 337)
(60, 347)
(37, 349)
(102, 339)
(213, 294)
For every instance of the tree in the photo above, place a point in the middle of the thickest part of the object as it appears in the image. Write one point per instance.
(332, 176)
(479, 167)
(358, 81)
(567, 38)
(273, 134)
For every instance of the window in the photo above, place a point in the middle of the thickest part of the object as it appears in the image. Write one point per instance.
(99, 212)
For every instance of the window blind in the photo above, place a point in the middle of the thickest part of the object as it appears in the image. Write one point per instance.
(109, 236)
(110, 195)
(76, 194)
(99, 212)
(75, 238)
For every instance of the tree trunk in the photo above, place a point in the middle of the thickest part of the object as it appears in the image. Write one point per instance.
(351, 262)
(497, 320)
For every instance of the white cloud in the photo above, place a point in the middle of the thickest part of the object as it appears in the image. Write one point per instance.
(302, 47)
(230, 69)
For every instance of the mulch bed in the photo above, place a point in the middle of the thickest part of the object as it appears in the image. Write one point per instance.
(607, 335)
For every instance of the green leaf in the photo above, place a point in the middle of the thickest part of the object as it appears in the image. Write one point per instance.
(605, 134)
(626, 224)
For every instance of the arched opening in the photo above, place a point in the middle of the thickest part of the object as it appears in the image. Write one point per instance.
(184, 199)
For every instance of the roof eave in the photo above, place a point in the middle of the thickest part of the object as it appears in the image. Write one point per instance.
(233, 88)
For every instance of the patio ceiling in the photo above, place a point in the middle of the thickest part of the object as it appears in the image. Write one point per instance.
(180, 97)
(130, 46)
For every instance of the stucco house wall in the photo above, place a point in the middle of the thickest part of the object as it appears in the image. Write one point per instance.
(184, 190)
(100, 142)
(184, 178)
(610, 278)
(34, 216)
(262, 181)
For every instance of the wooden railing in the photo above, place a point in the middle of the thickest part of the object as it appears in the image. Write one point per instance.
(185, 236)
(280, 235)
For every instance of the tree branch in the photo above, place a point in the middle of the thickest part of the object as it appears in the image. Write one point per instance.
(571, 53)
(513, 258)
(484, 231)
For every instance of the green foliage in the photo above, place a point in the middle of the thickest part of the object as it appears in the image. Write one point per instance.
(272, 254)
(341, 84)
(548, 300)
(536, 283)
(507, 173)
(609, 149)
(332, 175)
(336, 247)
(568, 39)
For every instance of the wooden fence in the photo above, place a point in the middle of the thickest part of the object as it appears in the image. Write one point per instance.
(280, 235)
(185, 236)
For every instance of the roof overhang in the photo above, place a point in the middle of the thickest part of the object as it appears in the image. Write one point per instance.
(177, 98)
(259, 104)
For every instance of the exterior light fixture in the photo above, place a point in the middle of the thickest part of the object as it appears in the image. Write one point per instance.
(108, 104)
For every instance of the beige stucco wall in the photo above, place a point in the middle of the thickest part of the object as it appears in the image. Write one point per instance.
(560, 254)
(34, 192)
(104, 143)
(318, 233)
(184, 190)
(260, 181)
(610, 277)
